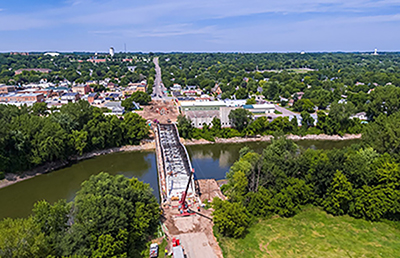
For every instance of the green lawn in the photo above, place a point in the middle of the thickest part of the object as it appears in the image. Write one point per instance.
(314, 233)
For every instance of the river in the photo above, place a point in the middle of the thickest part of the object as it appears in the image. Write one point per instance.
(209, 161)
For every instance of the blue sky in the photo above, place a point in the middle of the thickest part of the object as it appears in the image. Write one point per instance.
(200, 26)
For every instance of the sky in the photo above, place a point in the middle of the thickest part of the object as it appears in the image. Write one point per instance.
(200, 26)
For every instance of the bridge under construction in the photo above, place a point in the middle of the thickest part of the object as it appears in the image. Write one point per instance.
(174, 165)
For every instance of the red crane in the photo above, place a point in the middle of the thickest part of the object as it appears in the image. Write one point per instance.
(183, 204)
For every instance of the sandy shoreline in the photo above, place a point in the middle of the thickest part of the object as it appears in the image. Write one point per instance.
(267, 138)
(150, 145)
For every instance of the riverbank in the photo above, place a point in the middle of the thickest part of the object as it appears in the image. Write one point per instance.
(51, 166)
(267, 138)
(150, 145)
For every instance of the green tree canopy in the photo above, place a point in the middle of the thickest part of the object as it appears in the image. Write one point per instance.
(240, 118)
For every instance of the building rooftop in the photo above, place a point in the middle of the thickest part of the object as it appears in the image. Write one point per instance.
(70, 94)
(16, 94)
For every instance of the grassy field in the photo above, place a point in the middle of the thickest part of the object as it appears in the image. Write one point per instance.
(314, 233)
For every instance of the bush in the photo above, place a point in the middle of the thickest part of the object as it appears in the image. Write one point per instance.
(231, 219)
(2, 176)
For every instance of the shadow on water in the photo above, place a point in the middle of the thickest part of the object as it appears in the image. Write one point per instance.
(209, 161)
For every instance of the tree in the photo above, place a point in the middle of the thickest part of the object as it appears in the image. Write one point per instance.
(239, 184)
(39, 109)
(216, 125)
(79, 141)
(108, 246)
(240, 118)
(321, 98)
(251, 101)
(97, 87)
(231, 219)
(185, 127)
(288, 201)
(107, 204)
(139, 97)
(383, 134)
(304, 105)
(306, 119)
(22, 238)
(384, 100)
(339, 195)
(241, 93)
(135, 128)
(52, 221)
(340, 114)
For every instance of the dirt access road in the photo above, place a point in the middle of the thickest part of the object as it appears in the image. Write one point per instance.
(195, 232)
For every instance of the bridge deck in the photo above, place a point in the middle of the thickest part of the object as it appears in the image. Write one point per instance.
(176, 162)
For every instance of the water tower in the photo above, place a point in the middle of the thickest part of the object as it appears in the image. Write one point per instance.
(112, 52)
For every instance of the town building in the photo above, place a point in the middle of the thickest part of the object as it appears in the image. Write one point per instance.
(192, 91)
(361, 116)
(46, 92)
(134, 87)
(82, 89)
(260, 108)
(19, 99)
(176, 87)
(92, 97)
(216, 90)
(115, 107)
(4, 89)
(203, 112)
(96, 61)
(70, 97)
(299, 95)
(53, 54)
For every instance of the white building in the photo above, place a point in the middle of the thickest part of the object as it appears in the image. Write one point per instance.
(112, 52)
(53, 54)
(261, 108)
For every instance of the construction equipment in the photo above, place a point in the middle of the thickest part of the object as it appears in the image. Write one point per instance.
(177, 250)
(182, 203)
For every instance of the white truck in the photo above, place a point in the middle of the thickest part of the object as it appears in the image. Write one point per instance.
(154, 250)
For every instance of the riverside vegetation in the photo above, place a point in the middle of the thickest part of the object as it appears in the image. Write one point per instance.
(111, 216)
(34, 136)
(361, 181)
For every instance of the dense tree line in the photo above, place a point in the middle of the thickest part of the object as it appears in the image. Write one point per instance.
(68, 66)
(33, 136)
(112, 216)
(362, 181)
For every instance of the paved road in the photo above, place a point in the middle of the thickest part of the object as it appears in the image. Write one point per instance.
(196, 245)
(284, 111)
(158, 88)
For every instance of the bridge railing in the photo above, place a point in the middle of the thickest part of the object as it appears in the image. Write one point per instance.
(187, 157)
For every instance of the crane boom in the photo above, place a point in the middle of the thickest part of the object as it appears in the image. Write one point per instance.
(183, 199)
